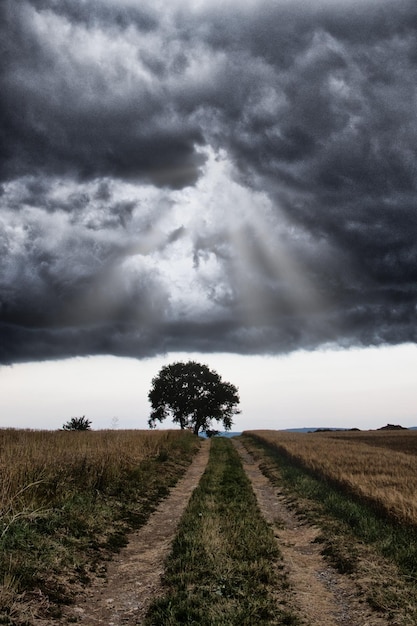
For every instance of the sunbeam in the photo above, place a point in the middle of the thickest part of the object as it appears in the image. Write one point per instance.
(250, 247)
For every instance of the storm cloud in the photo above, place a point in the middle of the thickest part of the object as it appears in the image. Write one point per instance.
(206, 176)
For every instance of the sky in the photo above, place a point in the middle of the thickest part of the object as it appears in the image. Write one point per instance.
(233, 182)
(352, 388)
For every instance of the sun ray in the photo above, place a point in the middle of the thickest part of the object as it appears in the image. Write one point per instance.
(269, 276)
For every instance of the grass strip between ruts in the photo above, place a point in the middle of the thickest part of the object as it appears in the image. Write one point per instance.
(224, 567)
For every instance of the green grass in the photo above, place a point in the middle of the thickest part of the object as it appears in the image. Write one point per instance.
(224, 565)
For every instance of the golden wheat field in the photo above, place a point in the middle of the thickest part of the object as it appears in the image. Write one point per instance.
(36, 465)
(378, 466)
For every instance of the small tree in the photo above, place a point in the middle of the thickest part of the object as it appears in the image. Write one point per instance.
(77, 423)
(192, 395)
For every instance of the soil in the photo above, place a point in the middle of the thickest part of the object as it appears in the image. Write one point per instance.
(317, 593)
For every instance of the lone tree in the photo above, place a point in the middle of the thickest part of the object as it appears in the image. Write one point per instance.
(77, 423)
(192, 395)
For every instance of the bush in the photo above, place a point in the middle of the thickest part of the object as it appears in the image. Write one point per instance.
(77, 423)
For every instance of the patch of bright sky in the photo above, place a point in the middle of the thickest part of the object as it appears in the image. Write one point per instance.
(345, 388)
(221, 219)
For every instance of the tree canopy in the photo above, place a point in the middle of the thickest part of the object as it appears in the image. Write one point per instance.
(192, 395)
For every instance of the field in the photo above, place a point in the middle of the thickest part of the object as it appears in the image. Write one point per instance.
(67, 500)
(379, 467)
(274, 516)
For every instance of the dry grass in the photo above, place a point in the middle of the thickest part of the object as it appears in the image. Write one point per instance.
(36, 466)
(68, 499)
(369, 464)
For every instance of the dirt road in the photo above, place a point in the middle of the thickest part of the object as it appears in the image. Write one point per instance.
(318, 594)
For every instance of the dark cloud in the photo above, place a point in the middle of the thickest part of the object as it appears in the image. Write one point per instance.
(206, 178)
(73, 106)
